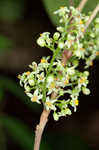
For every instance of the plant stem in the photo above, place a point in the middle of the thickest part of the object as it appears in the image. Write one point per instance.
(94, 13)
(81, 5)
(40, 128)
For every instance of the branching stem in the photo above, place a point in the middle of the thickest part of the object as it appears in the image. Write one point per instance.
(81, 5)
(94, 13)
(40, 128)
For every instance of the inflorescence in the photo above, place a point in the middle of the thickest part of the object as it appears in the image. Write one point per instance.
(57, 82)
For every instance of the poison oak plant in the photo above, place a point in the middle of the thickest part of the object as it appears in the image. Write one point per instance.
(57, 81)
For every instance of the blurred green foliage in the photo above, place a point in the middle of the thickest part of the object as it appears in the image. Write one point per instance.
(5, 44)
(10, 10)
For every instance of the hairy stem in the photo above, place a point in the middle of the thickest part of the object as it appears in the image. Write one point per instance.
(94, 13)
(81, 5)
(40, 128)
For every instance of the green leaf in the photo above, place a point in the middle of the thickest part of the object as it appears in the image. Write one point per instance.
(20, 133)
(53, 5)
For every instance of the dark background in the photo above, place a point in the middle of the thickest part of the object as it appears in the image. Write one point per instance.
(79, 131)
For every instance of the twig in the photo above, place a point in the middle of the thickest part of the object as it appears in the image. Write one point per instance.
(94, 13)
(40, 128)
(81, 5)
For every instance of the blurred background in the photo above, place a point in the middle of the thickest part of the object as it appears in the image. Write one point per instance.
(21, 22)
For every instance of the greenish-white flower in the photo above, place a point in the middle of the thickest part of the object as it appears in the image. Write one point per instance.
(41, 42)
(49, 104)
(56, 35)
(35, 97)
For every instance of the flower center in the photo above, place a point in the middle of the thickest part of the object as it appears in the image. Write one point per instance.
(82, 80)
(27, 73)
(76, 101)
(81, 22)
(52, 85)
(34, 98)
(43, 61)
(41, 78)
(49, 104)
(82, 49)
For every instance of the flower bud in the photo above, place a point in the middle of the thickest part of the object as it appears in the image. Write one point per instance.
(41, 42)
(27, 89)
(31, 82)
(85, 91)
(56, 35)
(60, 29)
(86, 73)
(56, 117)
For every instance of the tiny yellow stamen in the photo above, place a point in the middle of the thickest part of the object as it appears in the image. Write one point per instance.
(63, 64)
(66, 81)
(41, 78)
(97, 53)
(62, 7)
(34, 99)
(43, 60)
(76, 101)
(49, 104)
(82, 80)
(82, 29)
(52, 85)
(81, 22)
(19, 76)
(41, 34)
(27, 73)
(91, 63)
(82, 49)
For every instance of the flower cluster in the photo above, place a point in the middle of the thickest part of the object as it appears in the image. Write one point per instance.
(57, 82)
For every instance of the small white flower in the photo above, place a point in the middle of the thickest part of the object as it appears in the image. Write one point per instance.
(43, 63)
(50, 78)
(60, 29)
(41, 42)
(74, 103)
(70, 70)
(62, 11)
(51, 87)
(45, 35)
(49, 104)
(82, 81)
(35, 97)
(70, 41)
(41, 77)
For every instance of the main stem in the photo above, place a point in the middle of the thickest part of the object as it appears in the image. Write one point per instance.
(40, 128)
